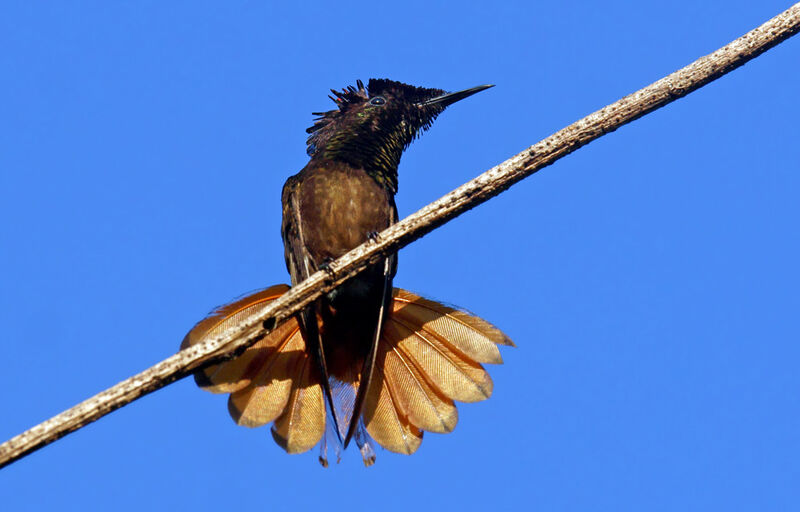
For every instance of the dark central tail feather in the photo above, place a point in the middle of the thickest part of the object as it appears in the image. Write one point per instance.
(369, 361)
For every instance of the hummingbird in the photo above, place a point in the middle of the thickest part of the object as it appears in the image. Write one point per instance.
(366, 361)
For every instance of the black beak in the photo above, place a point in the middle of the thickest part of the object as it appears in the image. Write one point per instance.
(452, 97)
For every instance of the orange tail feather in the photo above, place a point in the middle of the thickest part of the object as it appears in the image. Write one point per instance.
(302, 423)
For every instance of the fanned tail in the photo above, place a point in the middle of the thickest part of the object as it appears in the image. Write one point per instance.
(429, 355)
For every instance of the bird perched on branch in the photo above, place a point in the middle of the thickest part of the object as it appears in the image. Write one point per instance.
(366, 361)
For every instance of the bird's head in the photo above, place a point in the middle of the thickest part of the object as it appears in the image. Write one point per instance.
(373, 125)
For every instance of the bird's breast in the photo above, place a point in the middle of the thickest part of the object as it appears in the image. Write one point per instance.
(340, 208)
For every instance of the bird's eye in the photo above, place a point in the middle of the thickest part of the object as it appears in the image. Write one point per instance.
(377, 100)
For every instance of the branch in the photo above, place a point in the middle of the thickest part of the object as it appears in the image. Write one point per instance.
(487, 185)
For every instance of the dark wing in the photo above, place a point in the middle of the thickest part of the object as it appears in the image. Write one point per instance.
(301, 264)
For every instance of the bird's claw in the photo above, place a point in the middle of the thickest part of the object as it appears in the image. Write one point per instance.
(326, 266)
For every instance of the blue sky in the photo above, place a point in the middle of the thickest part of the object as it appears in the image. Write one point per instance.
(649, 280)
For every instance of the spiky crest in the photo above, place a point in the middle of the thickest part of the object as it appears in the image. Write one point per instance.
(373, 136)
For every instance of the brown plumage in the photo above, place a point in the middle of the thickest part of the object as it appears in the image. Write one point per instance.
(378, 362)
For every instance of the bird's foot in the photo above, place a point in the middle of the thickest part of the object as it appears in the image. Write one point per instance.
(373, 236)
(323, 451)
(328, 268)
(364, 444)
(323, 447)
(367, 454)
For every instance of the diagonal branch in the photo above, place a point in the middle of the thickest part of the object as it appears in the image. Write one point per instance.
(469, 195)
